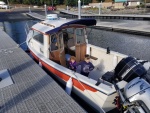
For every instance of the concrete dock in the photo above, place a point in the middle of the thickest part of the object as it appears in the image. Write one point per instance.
(31, 90)
(133, 28)
(107, 16)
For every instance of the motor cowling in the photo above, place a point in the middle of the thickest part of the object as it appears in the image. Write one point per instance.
(128, 69)
(138, 90)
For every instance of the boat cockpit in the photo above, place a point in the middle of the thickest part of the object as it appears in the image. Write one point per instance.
(69, 41)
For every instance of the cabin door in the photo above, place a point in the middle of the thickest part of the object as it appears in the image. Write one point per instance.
(80, 44)
(62, 50)
(57, 53)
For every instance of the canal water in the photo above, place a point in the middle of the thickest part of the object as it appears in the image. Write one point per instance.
(133, 45)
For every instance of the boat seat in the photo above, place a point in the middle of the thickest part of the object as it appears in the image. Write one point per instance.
(72, 48)
(96, 74)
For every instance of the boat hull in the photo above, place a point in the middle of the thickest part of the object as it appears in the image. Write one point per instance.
(81, 89)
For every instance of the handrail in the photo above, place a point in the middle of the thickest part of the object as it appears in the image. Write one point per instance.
(26, 28)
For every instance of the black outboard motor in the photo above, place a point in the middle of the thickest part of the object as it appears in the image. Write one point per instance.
(128, 69)
(135, 94)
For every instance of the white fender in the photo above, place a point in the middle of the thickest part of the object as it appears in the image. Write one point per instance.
(40, 64)
(69, 86)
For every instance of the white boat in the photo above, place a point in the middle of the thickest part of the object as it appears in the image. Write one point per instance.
(71, 38)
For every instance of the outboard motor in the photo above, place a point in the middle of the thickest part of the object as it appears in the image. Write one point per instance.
(128, 69)
(136, 94)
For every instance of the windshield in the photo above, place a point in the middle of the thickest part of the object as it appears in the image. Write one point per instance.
(80, 37)
(38, 36)
(56, 41)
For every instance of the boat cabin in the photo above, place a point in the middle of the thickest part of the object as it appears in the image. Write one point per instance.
(56, 39)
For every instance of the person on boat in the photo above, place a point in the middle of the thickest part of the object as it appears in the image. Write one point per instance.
(65, 38)
(72, 63)
(86, 66)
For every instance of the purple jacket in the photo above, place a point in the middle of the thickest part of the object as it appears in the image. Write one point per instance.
(85, 67)
(72, 66)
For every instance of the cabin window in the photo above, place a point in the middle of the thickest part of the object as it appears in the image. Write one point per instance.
(80, 37)
(38, 37)
(54, 43)
(70, 30)
(60, 40)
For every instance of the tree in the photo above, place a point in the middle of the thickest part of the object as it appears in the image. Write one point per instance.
(100, 0)
(70, 2)
(86, 2)
(26, 1)
(75, 2)
(36, 2)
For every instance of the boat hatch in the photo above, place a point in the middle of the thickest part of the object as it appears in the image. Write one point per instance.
(6, 79)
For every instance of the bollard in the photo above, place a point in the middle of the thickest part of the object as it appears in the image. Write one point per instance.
(67, 9)
(45, 10)
(79, 9)
(29, 9)
(99, 8)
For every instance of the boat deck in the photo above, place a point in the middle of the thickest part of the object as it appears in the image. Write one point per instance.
(32, 91)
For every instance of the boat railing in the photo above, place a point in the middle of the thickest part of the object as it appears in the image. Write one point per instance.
(27, 28)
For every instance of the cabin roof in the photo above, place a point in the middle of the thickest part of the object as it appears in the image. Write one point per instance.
(51, 26)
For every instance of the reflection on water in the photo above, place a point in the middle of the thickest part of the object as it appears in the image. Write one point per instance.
(16, 30)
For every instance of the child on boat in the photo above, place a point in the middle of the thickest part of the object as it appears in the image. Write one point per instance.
(86, 66)
(72, 63)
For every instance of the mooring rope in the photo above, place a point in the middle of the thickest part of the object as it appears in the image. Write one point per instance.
(17, 46)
